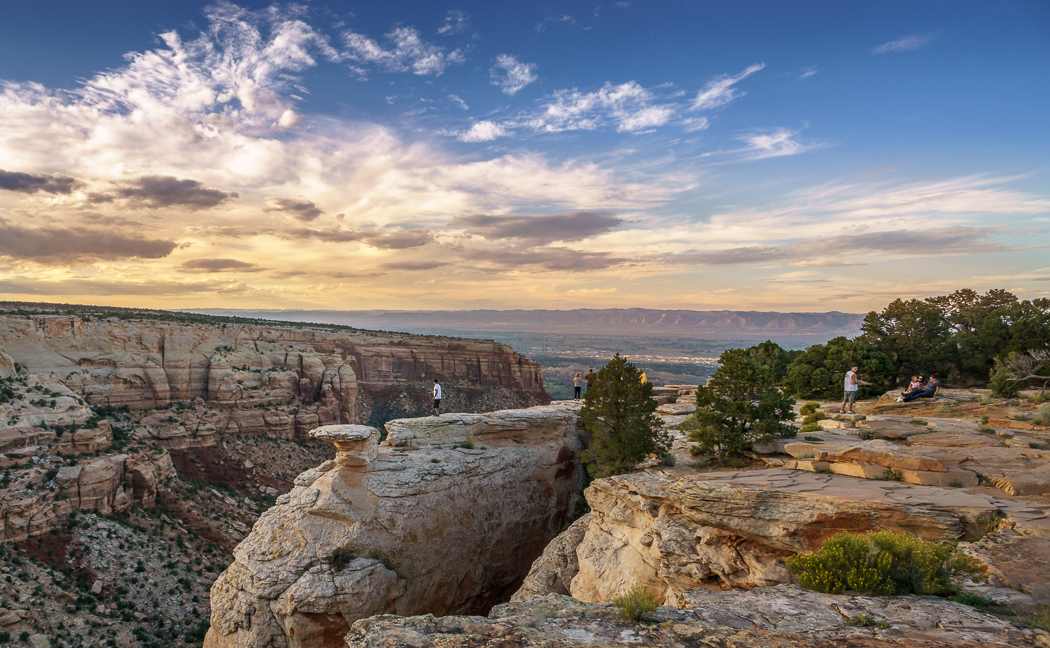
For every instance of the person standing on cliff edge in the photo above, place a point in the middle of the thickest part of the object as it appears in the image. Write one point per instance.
(437, 397)
(577, 383)
(591, 377)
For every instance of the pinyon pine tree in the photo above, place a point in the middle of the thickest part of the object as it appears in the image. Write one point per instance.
(618, 411)
(739, 406)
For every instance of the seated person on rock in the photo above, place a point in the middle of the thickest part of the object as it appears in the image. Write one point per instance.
(929, 391)
(915, 384)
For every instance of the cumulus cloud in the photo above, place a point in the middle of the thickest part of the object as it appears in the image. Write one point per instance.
(512, 75)
(540, 229)
(721, 90)
(407, 52)
(301, 209)
(77, 244)
(483, 131)
(30, 183)
(167, 191)
(218, 265)
(905, 44)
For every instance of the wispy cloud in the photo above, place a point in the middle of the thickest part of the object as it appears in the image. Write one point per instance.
(775, 143)
(407, 52)
(807, 72)
(628, 105)
(458, 101)
(218, 265)
(512, 75)
(540, 229)
(906, 43)
(455, 23)
(300, 208)
(720, 91)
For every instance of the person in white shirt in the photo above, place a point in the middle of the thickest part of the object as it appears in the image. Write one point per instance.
(437, 397)
(849, 387)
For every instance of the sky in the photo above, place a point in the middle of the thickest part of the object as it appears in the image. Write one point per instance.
(792, 156)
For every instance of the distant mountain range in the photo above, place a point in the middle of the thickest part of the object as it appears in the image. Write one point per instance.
(611, 321)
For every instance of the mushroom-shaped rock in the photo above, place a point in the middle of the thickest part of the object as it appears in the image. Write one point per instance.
(356, 445)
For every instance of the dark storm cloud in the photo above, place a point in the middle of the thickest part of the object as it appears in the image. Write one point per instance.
(304, 210)
(543, 228)
(956, 239)
(29, 183)
(219, 265)
(56, 245)
(167, 191)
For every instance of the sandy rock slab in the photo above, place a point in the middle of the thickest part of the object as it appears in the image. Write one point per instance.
(554, 621)
(921, 620)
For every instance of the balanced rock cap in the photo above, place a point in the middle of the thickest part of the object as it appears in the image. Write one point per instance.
(344, 433)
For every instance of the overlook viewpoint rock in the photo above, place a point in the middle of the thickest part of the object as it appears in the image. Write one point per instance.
(445, 516)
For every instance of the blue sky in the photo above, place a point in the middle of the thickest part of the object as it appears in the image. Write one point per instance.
(803, 156)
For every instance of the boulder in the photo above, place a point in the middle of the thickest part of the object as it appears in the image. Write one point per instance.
(734, 530)
(423, 526)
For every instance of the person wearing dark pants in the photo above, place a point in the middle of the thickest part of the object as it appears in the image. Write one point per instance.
(929, 391)
(577, 383)
(437, 397)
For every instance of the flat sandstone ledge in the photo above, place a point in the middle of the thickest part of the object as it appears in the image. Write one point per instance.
(777, 617)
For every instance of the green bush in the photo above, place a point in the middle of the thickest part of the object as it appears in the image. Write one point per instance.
(668, 459)
(739, 407)
(619, 412)
(819, 372)
(892, 474)
(1044, 413)
(810, 427)
(636, 604)
(809, 408)
(865, 621)
(881, 563)
(341, 557)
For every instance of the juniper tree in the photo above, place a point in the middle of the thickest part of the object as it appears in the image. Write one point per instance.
(739, 406)
(618, 411)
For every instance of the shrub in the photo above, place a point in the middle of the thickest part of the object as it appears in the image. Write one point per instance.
(668, 459)
(736, 462)
(985, 429)
(944, 408)
(865, 621)
(636, 604)
(973, 600)
(819, 372)
(810, 427)
(341, 557)
(809, 408)
(892, 474)
(814, 417)
(1044, 412)
(619, 412)
(739, 407)
(813, 439)
(882, 563)
(917, 422)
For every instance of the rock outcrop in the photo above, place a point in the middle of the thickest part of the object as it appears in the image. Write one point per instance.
(780, 617)
(239, 378)
(445, 516)
(45, 497)
(719, 531)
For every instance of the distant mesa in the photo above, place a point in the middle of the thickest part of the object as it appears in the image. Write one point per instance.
(612, 321)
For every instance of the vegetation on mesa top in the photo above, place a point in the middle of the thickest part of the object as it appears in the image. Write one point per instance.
(967, 338)
(122, 313)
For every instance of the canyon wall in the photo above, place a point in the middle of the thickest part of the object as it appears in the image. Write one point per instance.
(445, 516)
(208, 379)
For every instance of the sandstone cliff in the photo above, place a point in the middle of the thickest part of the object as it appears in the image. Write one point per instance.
(445, 516)
(240, 378)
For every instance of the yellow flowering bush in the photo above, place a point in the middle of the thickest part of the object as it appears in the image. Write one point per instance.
(881, 563)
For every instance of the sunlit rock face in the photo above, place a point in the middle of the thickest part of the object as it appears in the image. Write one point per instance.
(281, 381)
(444, 517)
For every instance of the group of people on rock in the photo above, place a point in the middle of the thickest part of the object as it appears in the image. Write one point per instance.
(577, 383)
(917, 389)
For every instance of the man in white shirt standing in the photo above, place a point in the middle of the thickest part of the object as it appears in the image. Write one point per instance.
(849, 390)
(437, 397)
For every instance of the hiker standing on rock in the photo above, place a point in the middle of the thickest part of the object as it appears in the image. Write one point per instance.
(591, 378)
(437, 397)
(849, 387)
(577, 383)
